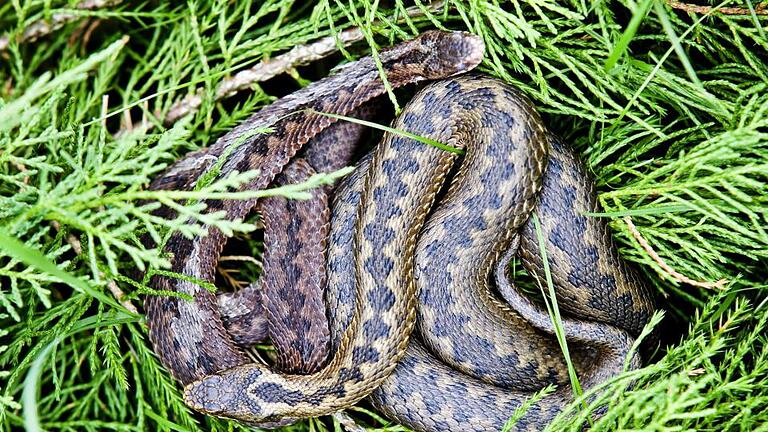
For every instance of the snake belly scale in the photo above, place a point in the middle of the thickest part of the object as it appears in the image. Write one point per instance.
(377, 284)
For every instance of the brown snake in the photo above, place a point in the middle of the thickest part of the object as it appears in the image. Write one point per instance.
(379, 216)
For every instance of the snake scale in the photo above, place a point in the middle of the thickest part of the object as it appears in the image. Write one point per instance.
(404, 252)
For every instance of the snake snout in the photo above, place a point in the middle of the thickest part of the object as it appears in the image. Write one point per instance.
(227, 394)
(474, 51)
(209, 395)
(453, 53)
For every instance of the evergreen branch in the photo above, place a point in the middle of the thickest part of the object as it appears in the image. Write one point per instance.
(119, 295)
(15, 112)
(759, 9)
(43, 27)
(18, 250)
(664, 266)
(680, 148)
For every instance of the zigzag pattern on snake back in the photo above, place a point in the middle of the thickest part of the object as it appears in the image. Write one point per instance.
(456, 402)
(593, 283)
(189, 336)
(427, 395)
(423, 393)
(463, 239)
(286, 304)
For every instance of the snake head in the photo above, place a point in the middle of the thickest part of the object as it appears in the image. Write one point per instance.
(432, 55)
(450, 53)
(245, 393)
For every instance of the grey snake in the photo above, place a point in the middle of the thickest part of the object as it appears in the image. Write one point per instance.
(397, 251)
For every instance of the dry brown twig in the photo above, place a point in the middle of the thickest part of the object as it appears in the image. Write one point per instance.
(674, 274)
(760, 9)
(40, 28)
(266, 69)
(230, 274)
(84, 32)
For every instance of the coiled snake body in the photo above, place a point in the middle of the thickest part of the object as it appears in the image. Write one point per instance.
(384, 258)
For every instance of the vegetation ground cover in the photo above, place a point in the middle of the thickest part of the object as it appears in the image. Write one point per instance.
(665, 101)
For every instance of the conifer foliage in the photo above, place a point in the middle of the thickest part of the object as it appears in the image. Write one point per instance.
(666, 101)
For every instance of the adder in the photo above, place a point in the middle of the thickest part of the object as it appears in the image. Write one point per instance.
(378, 243)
